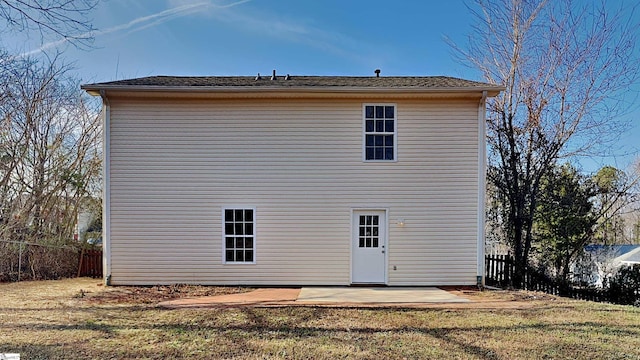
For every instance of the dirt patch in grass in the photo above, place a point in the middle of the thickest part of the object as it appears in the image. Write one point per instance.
(497, 299)
(155, 294)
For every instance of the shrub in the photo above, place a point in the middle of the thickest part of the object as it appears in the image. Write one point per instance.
(624, 286)
(31, 261)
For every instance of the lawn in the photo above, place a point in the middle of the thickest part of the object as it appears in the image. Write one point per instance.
(78, 319)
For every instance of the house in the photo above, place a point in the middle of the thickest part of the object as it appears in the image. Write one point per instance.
(630, 258)
(294, 180)
(88, 221)
(601, 261)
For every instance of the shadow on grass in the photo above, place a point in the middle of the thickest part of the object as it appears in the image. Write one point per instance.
(241, 328)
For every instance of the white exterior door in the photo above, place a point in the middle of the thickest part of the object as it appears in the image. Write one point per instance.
(369, 244)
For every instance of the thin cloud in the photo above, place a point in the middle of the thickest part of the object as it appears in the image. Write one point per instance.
(298, 32)
(141, 23)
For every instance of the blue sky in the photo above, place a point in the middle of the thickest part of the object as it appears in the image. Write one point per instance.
(136, 38)
(328, 37)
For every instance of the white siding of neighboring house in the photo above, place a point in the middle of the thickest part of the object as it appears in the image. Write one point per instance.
(176, 163)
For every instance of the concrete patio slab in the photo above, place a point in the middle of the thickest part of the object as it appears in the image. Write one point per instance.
(333, 297)
(411, 295)
(325, 296)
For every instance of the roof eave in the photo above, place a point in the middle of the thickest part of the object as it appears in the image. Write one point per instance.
(95, 89)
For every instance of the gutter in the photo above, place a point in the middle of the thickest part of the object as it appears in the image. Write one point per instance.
(482, 178)
(106, 190)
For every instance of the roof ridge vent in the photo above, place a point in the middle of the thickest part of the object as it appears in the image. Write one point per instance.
(274, 77)
(258, 77)
(377, 71)
(288, 77)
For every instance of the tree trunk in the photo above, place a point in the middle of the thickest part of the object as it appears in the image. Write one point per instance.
(519, 257)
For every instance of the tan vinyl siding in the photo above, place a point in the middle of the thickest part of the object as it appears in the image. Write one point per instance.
(175, 164)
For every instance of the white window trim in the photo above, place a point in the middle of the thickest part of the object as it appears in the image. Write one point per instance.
(395, 133)
(224, 235)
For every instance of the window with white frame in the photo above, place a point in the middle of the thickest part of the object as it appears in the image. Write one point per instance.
(380, 132)
(239, 235)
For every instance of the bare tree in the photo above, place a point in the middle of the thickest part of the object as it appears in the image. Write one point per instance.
(565, 66)
(49, 153)
(49, 139)
(66, 19)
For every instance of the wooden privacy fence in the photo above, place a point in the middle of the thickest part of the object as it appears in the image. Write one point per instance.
(90, 263)
(499, 271)
(536, 281)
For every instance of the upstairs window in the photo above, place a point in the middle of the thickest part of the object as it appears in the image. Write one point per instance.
(239, 235)
(380, 132)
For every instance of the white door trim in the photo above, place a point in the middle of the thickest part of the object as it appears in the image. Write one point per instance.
(384, 219)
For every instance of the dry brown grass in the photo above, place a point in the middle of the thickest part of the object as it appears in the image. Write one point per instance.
(78, 319)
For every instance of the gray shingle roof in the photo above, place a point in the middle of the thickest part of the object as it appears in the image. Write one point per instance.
(219, 82)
